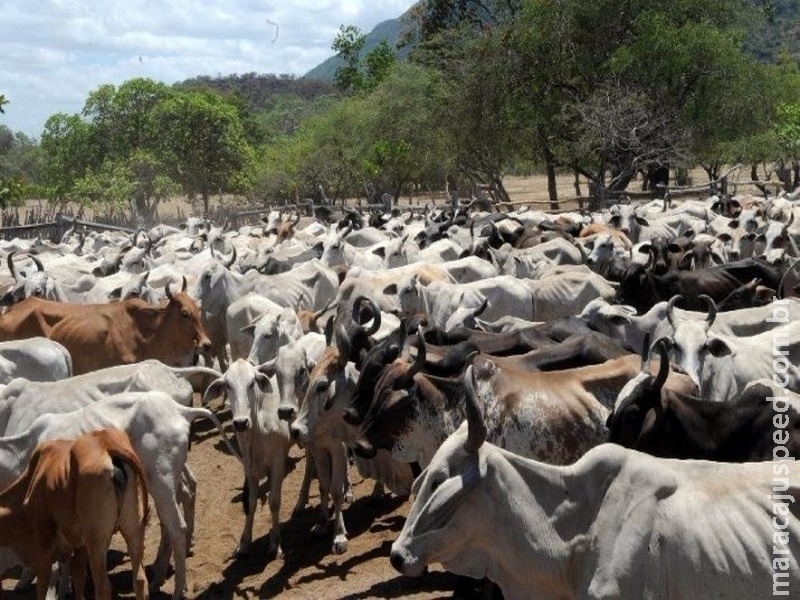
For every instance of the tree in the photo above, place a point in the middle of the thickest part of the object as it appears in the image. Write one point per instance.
(203, 144)
(361, 74)
(348, 43)
(788, 132)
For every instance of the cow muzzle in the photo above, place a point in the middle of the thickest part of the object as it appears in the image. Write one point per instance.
(299, 433)
(352, 417)
(405, 564)
(364, 448)
(241, 424)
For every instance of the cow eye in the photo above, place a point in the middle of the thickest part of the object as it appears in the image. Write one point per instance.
(322, 384)
(185, 313)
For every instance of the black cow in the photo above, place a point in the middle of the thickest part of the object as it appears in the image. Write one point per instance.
(672, 425)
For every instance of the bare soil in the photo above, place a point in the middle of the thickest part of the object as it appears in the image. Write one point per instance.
(307, 568)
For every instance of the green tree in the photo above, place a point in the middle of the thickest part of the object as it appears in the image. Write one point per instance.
(361, 73)
(203, 144)
(67, 144)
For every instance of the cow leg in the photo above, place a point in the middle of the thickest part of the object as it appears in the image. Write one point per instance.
(43, 571)
(309, 473)
(173, 534)
(78, 564)
(132, 531)
(277, 473)
(251, 490)
(187, 500)
(338, 479)
(98, 551)
(322, 460)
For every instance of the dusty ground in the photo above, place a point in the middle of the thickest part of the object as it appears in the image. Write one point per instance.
(307, 569)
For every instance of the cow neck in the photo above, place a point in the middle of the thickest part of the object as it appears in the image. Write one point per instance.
(556, 508)
(14, 453)
(604, 381)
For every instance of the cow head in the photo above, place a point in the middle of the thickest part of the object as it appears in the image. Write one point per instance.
(181, 334)
(637, 398)
(625, 218)
(397, 399)
(453, 505)
(602, 250)
(32, 284)
(330, 388)
(691, 341)
(659, 252)
(775, 236)
(270, 331)
(292, 368)
(251, 395)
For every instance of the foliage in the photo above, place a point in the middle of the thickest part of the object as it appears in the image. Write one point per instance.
(134, 145)
(360, 74)
(206, 150)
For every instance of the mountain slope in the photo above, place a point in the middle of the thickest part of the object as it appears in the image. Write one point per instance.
(390, 30)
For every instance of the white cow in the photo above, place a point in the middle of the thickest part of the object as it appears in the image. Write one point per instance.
(616, 524)
(21, 401)
(263, 441)
(159, 431)
(37, 359)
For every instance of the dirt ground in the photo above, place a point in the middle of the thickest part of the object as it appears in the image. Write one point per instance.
(307, 569)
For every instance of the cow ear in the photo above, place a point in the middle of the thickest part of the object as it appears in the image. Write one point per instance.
(724, 237)
(641, 221)
(674, 248)
(718, 347)
(381, 251)
(761, 237)
(733, 223)
(618, 320)
(689, 234)
(263, 382)
(390, 289)
(115, 293)
(216, 389)
(645, 249)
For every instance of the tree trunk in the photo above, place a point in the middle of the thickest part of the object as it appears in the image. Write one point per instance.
(754, 172)
(576, 183)
(206, 198)
(796, 174)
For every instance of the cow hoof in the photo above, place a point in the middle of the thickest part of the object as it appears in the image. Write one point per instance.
(339, 544)
(318, 530)
(274, 552)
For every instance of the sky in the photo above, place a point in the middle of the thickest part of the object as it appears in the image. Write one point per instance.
(53, 53)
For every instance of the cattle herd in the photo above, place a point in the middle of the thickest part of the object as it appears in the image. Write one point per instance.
(580, 405)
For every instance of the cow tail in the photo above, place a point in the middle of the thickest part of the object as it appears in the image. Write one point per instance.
(191, 413)
(125, 460)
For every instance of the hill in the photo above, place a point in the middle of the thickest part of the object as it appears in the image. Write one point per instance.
(391, 30)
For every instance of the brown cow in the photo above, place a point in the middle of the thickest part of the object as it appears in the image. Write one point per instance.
(69, 501)
(105, 335)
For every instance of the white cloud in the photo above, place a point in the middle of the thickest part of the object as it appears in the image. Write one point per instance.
(54, 52)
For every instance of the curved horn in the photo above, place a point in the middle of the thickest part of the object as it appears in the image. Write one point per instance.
(183, 284)
(419, 361)
(363, 303)
(663, 366)
(671, 308)
(646, 351)
(228, 263)
(37, 262)
(342, 344)
(297, 220)
(477, 428)
(788, 223)
(10, 260)
(712, 308)
(168, 292)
